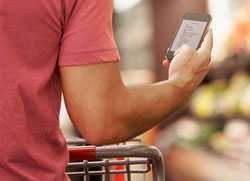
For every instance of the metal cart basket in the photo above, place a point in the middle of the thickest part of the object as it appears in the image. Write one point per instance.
(115, 160)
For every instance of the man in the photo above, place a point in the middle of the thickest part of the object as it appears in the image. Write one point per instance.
(46, 42)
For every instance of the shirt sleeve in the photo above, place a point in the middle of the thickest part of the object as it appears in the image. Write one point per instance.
(88, 34)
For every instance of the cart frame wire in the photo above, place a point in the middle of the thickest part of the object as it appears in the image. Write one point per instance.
(85, 158)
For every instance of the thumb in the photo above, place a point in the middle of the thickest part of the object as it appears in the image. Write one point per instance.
(207, 44)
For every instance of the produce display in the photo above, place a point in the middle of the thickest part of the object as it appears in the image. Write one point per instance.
(230, 142)
(222, 98)
(219, 119)
(239, 38)
(218, 115)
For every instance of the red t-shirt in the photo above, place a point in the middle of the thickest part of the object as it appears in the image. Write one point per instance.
(38, 36)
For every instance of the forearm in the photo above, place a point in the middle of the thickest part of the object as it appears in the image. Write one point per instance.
(142, 107)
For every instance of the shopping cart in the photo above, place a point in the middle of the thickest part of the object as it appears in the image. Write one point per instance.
(116, 160)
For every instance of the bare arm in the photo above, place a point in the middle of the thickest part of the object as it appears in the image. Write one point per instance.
(106, 111)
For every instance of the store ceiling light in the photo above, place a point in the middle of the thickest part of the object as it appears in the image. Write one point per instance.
(121, 6)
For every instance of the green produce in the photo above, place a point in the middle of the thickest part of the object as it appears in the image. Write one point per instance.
(244, 104)
(205, 103)
(219, 98)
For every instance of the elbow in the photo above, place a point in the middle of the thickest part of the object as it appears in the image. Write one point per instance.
(93, 138)
(104, 136)
(100, 131)
(100, 123)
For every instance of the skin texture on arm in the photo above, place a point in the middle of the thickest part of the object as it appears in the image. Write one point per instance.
(105, 111)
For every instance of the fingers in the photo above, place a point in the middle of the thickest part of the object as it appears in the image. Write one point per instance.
(184, 55)
(166, 64)
(203, 70)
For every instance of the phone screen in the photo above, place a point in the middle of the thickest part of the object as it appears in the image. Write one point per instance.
(190, 33)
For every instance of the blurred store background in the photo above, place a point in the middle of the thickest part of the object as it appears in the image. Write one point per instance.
(208, 138)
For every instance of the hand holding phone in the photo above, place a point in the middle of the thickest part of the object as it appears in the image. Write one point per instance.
(192, 31)
(189, 66)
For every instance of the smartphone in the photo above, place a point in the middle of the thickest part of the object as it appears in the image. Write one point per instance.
(191, 32)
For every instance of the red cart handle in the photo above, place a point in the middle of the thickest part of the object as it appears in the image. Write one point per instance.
(79, 153)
